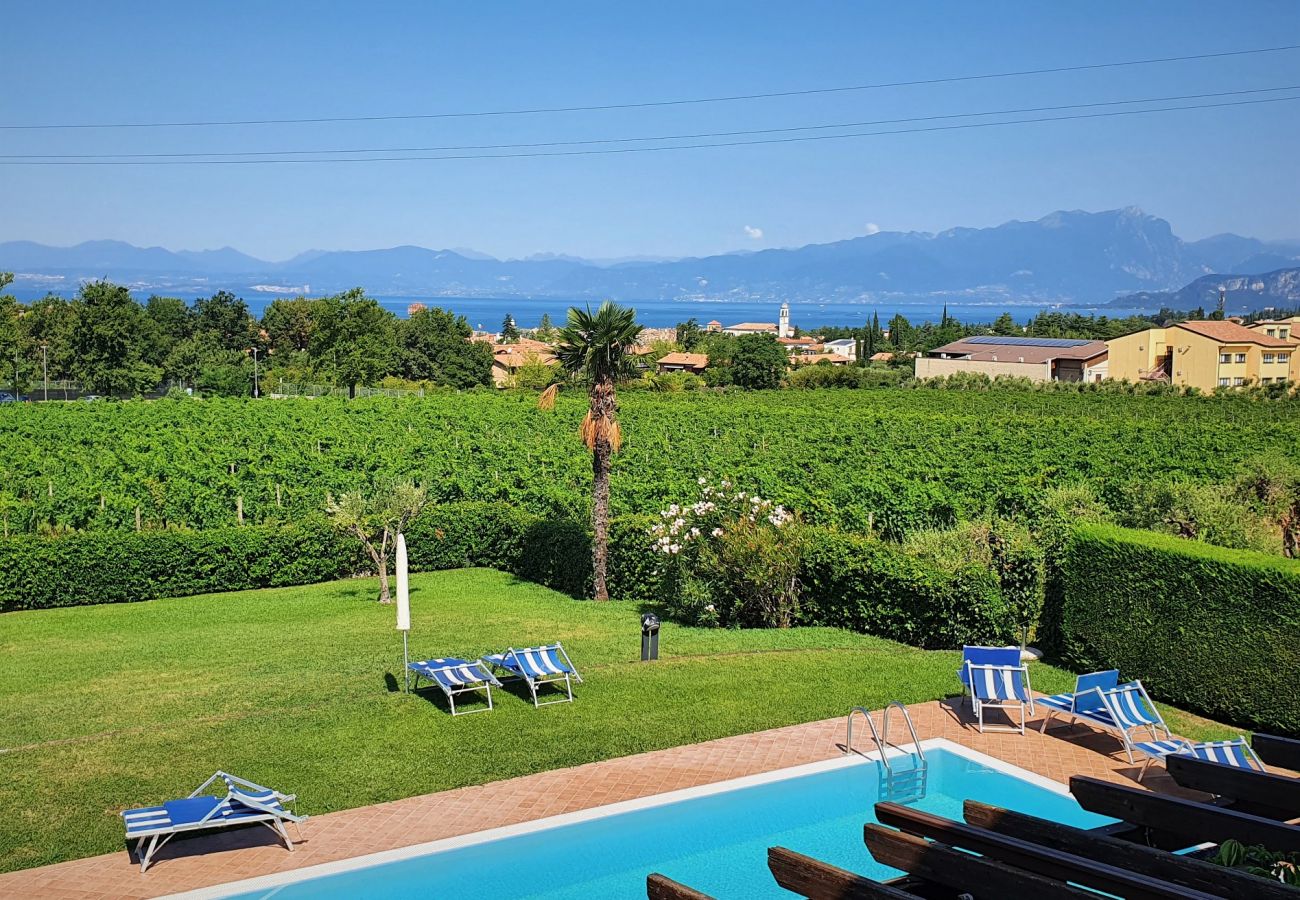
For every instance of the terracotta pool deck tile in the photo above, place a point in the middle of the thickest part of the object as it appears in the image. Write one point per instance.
(214, 859)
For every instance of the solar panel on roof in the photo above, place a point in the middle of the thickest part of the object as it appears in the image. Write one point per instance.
(1026, 341)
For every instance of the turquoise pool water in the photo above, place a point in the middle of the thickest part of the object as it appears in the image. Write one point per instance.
(716, 844)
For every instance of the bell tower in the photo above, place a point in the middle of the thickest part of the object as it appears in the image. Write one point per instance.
(783, 326)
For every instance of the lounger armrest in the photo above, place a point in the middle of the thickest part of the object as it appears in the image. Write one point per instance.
(1101, 697)
(1020, 668)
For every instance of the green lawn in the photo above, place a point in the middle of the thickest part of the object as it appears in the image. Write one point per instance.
(107, 707)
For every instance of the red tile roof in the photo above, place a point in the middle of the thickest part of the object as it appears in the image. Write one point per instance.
(689, 360)
(1232, 333)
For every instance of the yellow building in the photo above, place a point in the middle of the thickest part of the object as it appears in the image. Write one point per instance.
(1284, 329)
(1206, 354)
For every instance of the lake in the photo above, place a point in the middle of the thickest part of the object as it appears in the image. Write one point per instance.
(487, 313)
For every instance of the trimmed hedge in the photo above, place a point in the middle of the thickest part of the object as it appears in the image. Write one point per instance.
(866, 585)
(849, 580)
(113, 567)
(1205, 628)
(86, 568)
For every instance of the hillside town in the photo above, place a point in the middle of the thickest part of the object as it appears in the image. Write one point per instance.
(1204, 354)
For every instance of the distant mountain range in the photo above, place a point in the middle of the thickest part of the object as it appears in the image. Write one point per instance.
(1279, 289)
(1066, 257)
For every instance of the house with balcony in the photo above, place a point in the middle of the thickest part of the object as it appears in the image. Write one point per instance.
(1208, 355)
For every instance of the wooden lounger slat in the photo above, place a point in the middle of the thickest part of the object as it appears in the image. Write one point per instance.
(1277, 751)
(1034, 857)
(1192, 873)
(817, 880)
(1197, 822)
(661, 887)
(1276, 792)
(963, 871)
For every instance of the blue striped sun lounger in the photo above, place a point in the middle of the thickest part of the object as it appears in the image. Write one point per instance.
(456, 676)
(1236, 753)
(538, 666)
(1122, 709)
(996, 679)
(244, 803)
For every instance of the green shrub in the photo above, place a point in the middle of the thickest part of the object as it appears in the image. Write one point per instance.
(105, 567)
(85, 568)
(845, 580)
(856, 582)
(1206, 628)
(730, 559)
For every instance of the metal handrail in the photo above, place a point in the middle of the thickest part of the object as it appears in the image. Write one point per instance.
(875, 735)
(907, 718)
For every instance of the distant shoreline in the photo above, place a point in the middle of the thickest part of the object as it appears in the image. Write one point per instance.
(489, 312)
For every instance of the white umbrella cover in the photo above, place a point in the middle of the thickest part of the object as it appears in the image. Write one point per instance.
(403, 587)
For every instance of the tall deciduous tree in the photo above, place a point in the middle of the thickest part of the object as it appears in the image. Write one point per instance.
(758, 362)
(289, 324)
(597, 348)
(435, 346)
(13, 340)
(226, 318)
(49, 324)
(353, 339)
(108, 341)
(172, 320)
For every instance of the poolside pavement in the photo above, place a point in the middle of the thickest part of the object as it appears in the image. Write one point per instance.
(187, 864)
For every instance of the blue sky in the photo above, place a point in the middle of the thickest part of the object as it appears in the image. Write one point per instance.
(1207, 171)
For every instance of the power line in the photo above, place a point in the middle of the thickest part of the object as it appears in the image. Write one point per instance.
(629, 140)
(659, 103)
(625, 150)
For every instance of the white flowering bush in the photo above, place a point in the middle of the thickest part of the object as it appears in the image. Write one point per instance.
(731, 558)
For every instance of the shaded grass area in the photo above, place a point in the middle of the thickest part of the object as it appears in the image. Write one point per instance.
(107, 707)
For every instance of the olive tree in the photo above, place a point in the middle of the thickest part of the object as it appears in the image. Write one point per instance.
(376, 519)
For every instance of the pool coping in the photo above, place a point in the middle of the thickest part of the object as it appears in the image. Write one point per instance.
(441, 845)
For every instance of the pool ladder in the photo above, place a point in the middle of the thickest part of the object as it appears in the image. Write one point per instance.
(902, 784)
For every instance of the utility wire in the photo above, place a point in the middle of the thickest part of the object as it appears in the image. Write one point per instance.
(526, 155)
(630, 140)
(659, 103)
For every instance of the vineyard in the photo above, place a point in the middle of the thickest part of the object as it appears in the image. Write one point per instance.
(893, 460)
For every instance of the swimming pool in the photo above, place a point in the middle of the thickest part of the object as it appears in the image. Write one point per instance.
(715, 838)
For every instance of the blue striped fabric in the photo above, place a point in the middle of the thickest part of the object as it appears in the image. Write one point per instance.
(1128, 707)
(1234, 753)
(192, 811)
(534, 662)
(997, 684)
(1063, 702)
(452, 672)
(1160, 749)
(986, 656)
(1229, 753)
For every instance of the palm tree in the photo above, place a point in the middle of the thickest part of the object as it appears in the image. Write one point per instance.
(596, 347)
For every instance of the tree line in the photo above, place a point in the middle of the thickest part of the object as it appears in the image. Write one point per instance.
(112, 345)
